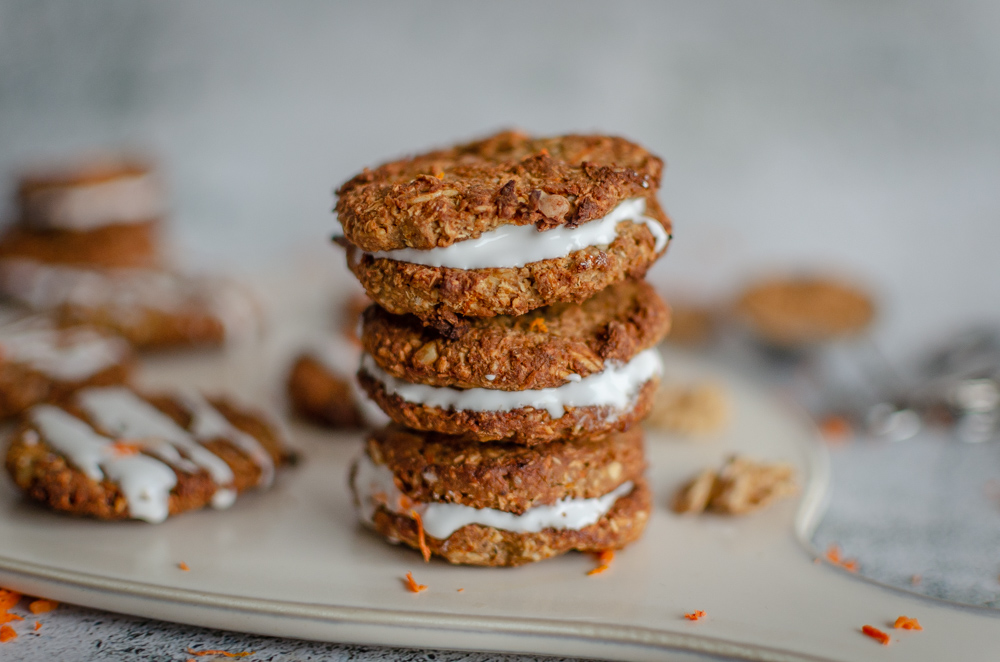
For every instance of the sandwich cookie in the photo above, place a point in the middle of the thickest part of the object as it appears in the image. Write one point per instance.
(111, 453)
(501, 504)
(502, 226)
(39, 363)
(149, 308)
(559, 372)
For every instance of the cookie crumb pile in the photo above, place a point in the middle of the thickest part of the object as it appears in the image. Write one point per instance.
(512, 341)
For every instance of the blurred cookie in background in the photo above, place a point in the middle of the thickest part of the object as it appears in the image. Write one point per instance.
(692, 325)
(693, 410)
(796, 311)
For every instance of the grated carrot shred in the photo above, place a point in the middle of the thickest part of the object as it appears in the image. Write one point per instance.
(604, 558)
(421, 538)
(124, 448)
(907, 623)
(460, 590)
(7, 617)
(412, 584)
(183, 566)
(38, 626)
(538, 325)
(835, 428)
(41, 606)
(8, 598)
(876, 634)
(916, 579)
(7, 634)
(695, 615)
(833, 556)
(222, 653)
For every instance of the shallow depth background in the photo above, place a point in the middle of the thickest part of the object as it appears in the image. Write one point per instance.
(862, 136)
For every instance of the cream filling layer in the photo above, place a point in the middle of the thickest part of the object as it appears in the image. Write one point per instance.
(133, 199)
(511, 246)
(374, 486)
(617, 386)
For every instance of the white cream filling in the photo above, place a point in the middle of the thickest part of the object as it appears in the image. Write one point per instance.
(374, 486)
(617, 386)
(70, 356)
(123, 200)
(511, 246)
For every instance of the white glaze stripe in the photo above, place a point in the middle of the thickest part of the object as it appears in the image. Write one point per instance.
(144, 481)
(517, 245)
(617, 386)
(71, 355)
(374, 485)
(124, 414)
(123, 200)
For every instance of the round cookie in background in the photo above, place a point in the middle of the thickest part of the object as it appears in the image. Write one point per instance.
(133, 246)
(558, 372)
(793, 312)
(501, 504)
(40, 363)
(503, 225)
(111, 453)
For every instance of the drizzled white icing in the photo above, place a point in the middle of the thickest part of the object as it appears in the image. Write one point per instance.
(144, 481)
(126, 293)
(617, 387)
(374, 486)
(122, 413)
(71, 355)
(128, 199)
(208, 423)
(517, 245)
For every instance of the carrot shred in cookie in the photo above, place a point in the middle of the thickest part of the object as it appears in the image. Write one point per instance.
(695, 615)
(7, 617)
(538, 325)
(124, 448)
(421, 538)
(6, 634)
(604, 558)
(8, 598)
(412, 584)
(907, 623)
(876, 634)
(41, 606)
(183, 566)
(220, 652)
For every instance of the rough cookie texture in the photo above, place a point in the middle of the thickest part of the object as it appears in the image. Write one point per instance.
(739, 487)
(440, 295)
(128, 246)
(533, 351)
(320, 396)
(431, 467)
(46, 476)
(527, 425)
(441, 197)
(487, 546)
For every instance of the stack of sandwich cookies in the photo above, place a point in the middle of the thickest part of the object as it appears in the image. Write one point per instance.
(112, 453)
(84, 246)
(510, 342)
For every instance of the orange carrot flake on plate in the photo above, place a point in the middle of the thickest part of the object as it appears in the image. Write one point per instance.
(412, 584)
(835, 428)
(876, 634)
(8, 598)
(222, 653)
(906, 623)
(421, 538)
(38, 626)
(183, 566)
(42, 606)
(6, 634)
(604, 558)
(695, 615)
(7, 617)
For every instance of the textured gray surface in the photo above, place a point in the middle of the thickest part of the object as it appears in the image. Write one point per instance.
(857, 135)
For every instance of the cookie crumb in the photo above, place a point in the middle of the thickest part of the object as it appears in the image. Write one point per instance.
(696, 410)
(739, 487)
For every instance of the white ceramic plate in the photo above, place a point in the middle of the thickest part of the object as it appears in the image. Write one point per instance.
(293, 562)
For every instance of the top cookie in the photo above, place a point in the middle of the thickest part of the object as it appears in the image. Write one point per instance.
(436, 199)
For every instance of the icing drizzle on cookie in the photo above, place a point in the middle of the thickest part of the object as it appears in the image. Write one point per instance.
(71, 355)
(512, 246)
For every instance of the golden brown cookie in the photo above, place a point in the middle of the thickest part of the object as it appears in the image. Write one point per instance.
(501, 504)
(503, 226)
(110, 247)
(322, 396)
(111, 453)
(39, 363)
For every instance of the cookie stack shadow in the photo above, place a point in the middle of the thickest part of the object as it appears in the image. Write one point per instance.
(512, 341)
